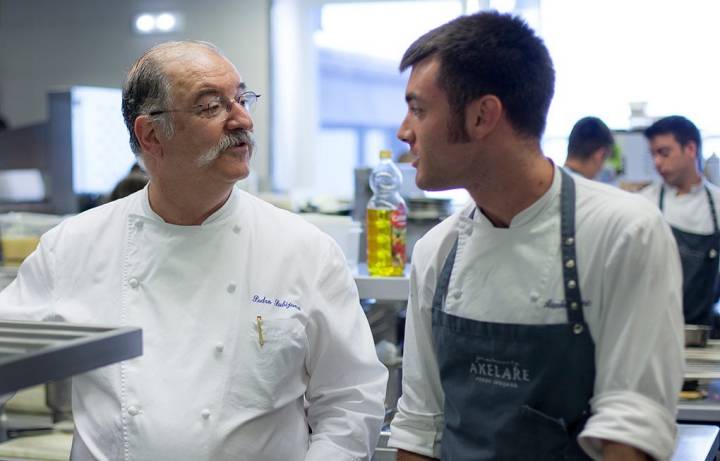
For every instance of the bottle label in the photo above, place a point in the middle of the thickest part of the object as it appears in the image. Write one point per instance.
(398, 219)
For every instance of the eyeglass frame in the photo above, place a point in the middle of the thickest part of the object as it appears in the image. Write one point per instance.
(222, 99)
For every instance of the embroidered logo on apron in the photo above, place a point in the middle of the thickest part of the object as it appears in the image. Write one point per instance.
(498, 372)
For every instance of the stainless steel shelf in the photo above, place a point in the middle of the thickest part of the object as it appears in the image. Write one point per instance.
(383, 288)
(36, 352)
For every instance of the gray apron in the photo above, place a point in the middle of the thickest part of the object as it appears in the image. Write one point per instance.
(699, 257)
(515, 392)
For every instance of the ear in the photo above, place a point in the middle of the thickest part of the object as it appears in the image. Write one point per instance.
(482, 116)
(691, 148)
(599, 156)
(147, 135)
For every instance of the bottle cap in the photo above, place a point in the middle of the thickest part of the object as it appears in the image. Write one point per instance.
(385, 154)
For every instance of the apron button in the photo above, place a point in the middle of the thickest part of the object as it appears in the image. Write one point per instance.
(577, 328)
(713, 253)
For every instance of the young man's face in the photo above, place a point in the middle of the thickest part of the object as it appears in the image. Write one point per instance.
(675, 163)
(441, 163)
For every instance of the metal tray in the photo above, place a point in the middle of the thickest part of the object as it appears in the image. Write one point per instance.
(32, 353)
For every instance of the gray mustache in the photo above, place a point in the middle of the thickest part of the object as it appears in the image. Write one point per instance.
(238, 137)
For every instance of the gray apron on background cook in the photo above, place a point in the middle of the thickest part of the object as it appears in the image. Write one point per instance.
(699, 257)
(512, 391)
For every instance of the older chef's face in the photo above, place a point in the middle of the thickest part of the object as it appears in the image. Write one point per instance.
(441, 162)
(673, 161)
(212, 145)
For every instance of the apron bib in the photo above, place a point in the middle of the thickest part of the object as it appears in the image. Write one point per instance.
(516, 391)
(699, 258)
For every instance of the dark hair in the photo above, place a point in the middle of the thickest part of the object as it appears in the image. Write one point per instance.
(491, 53)
(587, 136)
(147, 87)
(683, 129)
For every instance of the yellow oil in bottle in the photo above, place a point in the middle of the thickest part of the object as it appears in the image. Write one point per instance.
(385, 243)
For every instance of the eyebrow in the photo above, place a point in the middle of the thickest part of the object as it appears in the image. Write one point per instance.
(214, 91)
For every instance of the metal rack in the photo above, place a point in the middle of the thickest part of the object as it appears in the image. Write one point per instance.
(36, 352)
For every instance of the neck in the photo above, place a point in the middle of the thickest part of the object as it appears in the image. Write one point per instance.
(580, 167)
(519, 180)
(686, 185)
(178, 205)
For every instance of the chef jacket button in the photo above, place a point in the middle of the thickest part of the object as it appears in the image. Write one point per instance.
(570, 263)
(571, 284)
(133, 410)
(534, 297)
(713, 253)
(569, 241)
(133, 283)
(231, 288)
(205, 413)
(469, 230)
(236, 229)
(573, 305)
(457, 294)
(219, 347)
(138, 225)
(577, 328)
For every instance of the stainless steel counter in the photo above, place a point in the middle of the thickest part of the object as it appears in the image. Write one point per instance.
(695, 443)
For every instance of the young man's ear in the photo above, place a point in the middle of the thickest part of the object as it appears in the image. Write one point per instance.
(147, 135)
(482, 116)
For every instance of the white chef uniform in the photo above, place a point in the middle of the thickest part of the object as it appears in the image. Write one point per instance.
(688, 212)
(630, 280)
(207, 387)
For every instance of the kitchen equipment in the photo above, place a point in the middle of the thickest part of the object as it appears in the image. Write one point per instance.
(58, 399)
(697, 335)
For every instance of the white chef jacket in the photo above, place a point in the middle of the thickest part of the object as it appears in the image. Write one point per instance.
(205, 388)
(630, 279)
(687, 212)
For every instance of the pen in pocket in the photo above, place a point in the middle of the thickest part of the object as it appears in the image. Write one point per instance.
(261, 339)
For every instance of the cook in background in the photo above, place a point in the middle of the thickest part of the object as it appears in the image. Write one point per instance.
(135, 180)
(589, 145)
(255, 344)
(689, 203)
(544, 319)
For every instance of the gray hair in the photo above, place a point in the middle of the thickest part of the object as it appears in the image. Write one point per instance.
(147, 87)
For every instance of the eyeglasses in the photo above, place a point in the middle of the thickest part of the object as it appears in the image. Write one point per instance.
(214, 106)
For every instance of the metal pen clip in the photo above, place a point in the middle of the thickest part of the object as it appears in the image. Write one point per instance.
(261, 339)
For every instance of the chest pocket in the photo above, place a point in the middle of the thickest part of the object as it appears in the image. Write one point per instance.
(268, 375)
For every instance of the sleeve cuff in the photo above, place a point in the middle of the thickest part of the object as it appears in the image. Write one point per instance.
(322, 450)
(631, 419)
(423, 439)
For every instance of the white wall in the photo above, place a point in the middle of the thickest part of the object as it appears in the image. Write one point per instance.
(46, 44)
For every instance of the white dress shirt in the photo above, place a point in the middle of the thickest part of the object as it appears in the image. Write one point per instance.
(630, 279)
(207, 387)
(687, 212)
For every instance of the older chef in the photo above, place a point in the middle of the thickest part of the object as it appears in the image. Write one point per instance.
(255, 345)
(689, 204)
(544, 319)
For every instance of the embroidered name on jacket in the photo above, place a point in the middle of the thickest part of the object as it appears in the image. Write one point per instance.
(561, 304)
(498, 372)
(275, 302)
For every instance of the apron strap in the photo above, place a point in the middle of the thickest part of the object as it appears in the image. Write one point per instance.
(571, 282)
(712, 209)
(444, 278)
